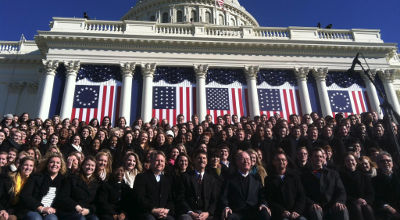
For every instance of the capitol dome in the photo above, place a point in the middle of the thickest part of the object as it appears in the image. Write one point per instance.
(191, 11)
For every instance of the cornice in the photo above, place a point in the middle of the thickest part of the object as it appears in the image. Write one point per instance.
(210, 45)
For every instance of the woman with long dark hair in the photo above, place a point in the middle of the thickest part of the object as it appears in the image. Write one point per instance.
(77, 195)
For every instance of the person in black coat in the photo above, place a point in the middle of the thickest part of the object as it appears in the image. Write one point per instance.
(113, 197)
(153, 191)
(76, 199)
(39, 192)
(197, 195)
(242, 196)
(387, 188)
(284, 191)
(360, 194)
(325, 193)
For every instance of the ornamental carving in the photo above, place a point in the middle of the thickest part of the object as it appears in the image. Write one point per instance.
(72, 67)
(251, 71)
(200, 70)
(301, 72)
(320, 73)
(148, 69)
(49, 67)
(128, 69)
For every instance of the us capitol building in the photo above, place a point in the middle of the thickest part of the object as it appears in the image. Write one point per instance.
(197, 46)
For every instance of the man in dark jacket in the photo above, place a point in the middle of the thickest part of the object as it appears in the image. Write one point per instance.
(242, 198)
(153, 191)
(325, 193)
(284, 191)
(197, 197)
(387, 188)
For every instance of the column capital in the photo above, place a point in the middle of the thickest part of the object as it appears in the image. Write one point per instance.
(320, 73)
(128, 68)
(148, 69)
(200, 70)
(72, 67)
(387, 75)
(49, 66)
(251, 71)
(301, 73)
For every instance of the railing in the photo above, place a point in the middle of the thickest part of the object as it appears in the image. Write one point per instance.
(146, 28)
(104, 26)
(335, 35)
(271, 33)
(222, 31)
(9, 47)
(174, 29)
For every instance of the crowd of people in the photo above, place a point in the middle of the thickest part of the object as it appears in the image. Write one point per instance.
(307, 167)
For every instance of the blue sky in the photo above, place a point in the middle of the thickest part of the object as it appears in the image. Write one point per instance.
(26, 17)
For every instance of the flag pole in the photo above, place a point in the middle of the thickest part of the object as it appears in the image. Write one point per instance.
(215, 12)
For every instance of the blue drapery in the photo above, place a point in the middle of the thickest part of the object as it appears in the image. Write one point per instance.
(276, 77)
(99, 73)
(174, 75)
(344, 79)
(225, 76)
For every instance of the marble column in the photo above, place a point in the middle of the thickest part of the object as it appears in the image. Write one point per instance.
(320, 77)
(72, 69)
(46, 87)
(201, 105)
(372, 93)
(387, 78)
(301, 77)
(148, 70)
(128, 70)
(251, 78)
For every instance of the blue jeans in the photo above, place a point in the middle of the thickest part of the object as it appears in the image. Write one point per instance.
(37, 216)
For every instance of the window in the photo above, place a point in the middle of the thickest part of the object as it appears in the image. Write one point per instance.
(208, 17)
(221, 20)
(193, 16)
(165, 17)
(179, 16)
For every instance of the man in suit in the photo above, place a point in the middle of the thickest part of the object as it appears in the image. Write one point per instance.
(284, 191)
(243, 198)
(197, 198)
(325, 193)
(153, 191)
(387, 188)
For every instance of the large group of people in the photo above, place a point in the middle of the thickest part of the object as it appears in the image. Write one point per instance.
(266, 167)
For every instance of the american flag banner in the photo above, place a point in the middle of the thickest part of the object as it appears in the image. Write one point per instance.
(170, 100)
(226, 99)
(220, 3)
(351, 100)
(283, 99)
(96, 100)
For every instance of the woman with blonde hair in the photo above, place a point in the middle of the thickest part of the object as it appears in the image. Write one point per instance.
(103, 165)
(40, 191)
(257, 169)
(132, 167)
(11, 186)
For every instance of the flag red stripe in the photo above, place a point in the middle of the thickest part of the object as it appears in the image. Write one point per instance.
(88, 115)
(233, 101)
(111, 102)
(188, 113)
(292, 102)
(160, 115)
(215, 116)
(95, 113)
(153, 113)
(246, 99)
(353, 93)
(194, 102)
(103, 103)
(361, 101)
(180, 100)
(174, 115)
(80, 114)
(240, 102)
(286, 103)
(73, 113)
(167, 117)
